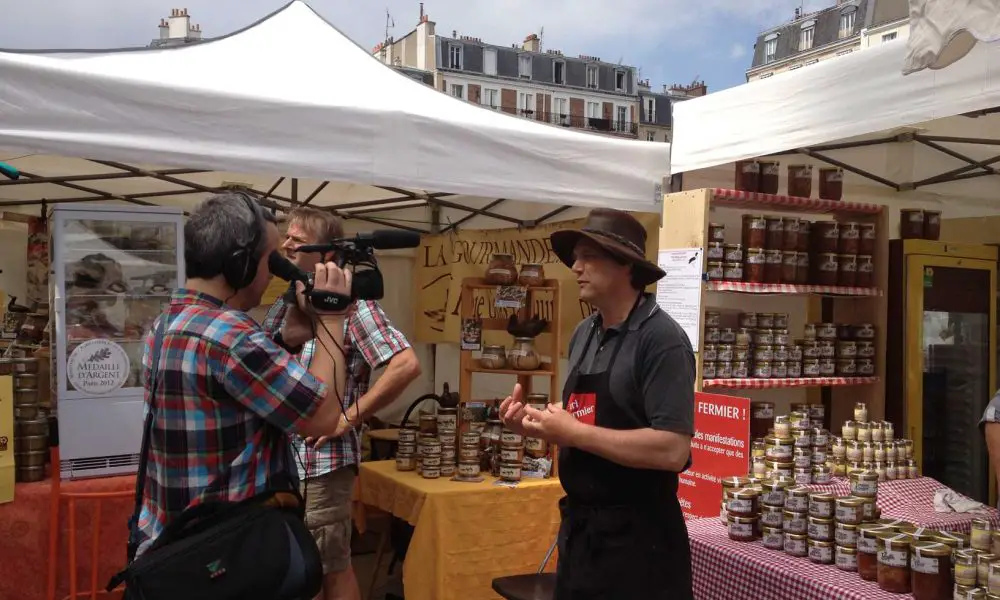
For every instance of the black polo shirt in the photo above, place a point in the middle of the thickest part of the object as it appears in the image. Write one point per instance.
(654, 371)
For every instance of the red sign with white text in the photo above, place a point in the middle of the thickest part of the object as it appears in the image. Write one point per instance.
(720, 448)
(583, 407)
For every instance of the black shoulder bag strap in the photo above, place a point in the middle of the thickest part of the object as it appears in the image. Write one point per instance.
(140, 478)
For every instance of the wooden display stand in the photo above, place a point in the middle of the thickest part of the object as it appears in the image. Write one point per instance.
(685, 225)
(6, 439)
(549, 368)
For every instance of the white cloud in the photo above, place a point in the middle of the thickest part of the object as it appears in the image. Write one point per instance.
(738, 51)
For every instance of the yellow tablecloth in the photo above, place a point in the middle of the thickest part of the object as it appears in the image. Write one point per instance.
(465, 534)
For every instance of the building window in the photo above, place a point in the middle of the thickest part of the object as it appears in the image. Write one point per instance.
(770, 50)
(458, 91)
(526, 103)
(650, 136)
(620, 81)
(524, 66)
(559, 72)
(593, 110)
(560, 111)
(592, 74)
(806, 38)
(455, 56)
(847, 22)
(491, 98)
(651, 109)
(622, 123)
(888, 37)
(489, 61)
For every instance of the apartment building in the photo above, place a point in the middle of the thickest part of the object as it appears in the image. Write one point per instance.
(655, 108)
(582, 92)
(838, 30)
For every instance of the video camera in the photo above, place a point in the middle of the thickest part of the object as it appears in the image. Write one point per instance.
(355, 252)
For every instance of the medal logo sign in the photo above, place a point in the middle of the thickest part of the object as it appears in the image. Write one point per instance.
(98, 367)
(583, 407)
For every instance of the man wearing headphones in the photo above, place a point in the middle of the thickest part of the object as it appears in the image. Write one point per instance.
(221, 383)
(328, 468)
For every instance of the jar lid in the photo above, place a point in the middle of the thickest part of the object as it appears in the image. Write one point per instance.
(921, 534)
(894, 540)
(734, 482)
(931, 549)
(847, 526)
(798, 491)
(795, 536)
(982, 524)
(820, 544)
(821, 496)
(734, 518)
(966, 557)
(865, 475)
(846, 550)
(774, 440)
(820, 520)
(873, 530)
(776, 484)
(853, 501)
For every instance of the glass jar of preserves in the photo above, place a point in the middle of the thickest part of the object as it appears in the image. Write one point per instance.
(993, 577)
(861, 412)
(754, 267)
(846, 558)
(821, 552)
(733, 253)
(791, 236)
(821, 505)
(819, 528)
(966, 567)
(849, 431)
(523, 356)
(866, 244)
(919, 534)
(772, 516)
(773, 538)
(775, 233)
(855, 451)
(782, 427)
(797, 500)
(802, 476)
(776, 469)
(493, 357)
(838, 449)
(714, 270)
(911, 223)
(827, 270)
(772, 266)
(864, 484)
(789, 266)
(981, 534)
(846, 534)
(894, 562)
(868, 453)
(849, 510)
(801, 437)
(501, 270)
(732, 271)
(878, 432)
(810, 367)
(805, 230)
(773, 492)
(847, 270)
(983, 562)
(932, 230)
(850, 238)
(796, 545)
(765, 320)
(930, 564)
(956, 541)
(779, 448)
(758, 466)
(802, 458)
(731, 484)
(865, 275)
(754, 231)
(531, 275)
(868, 549)
(846, 367)
(827, 236)
(716, 252)
(716, 232)
(800, 419)
(713, 318)
(744, 502)
(822, 474)
(795, 522)
(741, 529)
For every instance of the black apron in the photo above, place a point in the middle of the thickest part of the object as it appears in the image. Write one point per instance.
(622, 535)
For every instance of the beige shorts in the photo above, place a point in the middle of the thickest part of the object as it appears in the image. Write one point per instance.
(328, 516)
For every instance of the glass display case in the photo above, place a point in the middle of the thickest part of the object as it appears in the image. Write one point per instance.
(113, 272)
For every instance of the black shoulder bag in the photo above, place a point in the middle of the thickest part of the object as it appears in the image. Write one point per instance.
(220, 550)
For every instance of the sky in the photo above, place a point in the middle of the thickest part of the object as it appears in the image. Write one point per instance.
(670, 41)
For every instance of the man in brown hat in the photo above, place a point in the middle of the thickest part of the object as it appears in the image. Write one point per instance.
(624, 427)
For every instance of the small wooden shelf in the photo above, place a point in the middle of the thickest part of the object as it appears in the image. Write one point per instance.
(743, 287)
(757, 200)
(478, 283)
(544, 370)
(787, 382)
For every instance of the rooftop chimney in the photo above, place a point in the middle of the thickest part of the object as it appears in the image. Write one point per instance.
(531, 43)
(179, 23)
(164, 29)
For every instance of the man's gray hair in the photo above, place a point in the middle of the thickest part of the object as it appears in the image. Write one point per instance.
(219, 226)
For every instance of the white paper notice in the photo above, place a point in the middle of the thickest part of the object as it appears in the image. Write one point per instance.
(679, 292)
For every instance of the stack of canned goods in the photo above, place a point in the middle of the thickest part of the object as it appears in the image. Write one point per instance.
(871, 445)
(797, 447)
(429, 448)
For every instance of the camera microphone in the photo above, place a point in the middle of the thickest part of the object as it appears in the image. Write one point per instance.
(380, 239)
(282, 268)
(367, 284)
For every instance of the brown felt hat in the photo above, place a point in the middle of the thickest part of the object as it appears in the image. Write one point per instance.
(618, 233)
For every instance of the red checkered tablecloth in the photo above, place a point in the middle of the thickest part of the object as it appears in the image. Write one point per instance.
(728, 570)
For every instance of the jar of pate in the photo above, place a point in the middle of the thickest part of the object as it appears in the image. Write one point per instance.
(821, 552)
(795, 522)
(846, 558)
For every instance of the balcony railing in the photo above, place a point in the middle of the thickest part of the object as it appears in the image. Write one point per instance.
(611, 126)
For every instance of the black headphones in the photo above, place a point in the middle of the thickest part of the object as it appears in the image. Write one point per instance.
(240, 267)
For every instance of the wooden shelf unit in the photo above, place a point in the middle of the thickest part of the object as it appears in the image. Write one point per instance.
(685, 225)
(549, 368)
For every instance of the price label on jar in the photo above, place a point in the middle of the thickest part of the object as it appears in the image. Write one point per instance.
(739, 506)
(847, 562)
(893, 558)
(924, 564)
(867, 545)
(821, 554)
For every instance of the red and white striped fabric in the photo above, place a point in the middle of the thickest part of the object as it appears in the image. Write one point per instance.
(728, 570)
(751, 383)
(747, 287)
(737, 199)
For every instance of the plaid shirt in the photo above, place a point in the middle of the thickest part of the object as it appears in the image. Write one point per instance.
(370, 342)
(223, 381)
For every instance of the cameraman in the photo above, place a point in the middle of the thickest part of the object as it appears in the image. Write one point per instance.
(221, 383)
(329, 467)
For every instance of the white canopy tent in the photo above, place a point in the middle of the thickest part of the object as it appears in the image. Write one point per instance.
(292, 97)
(945, 31)
(934, 131)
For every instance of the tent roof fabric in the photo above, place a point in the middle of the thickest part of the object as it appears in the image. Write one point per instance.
(857, 95)
(293, 97)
